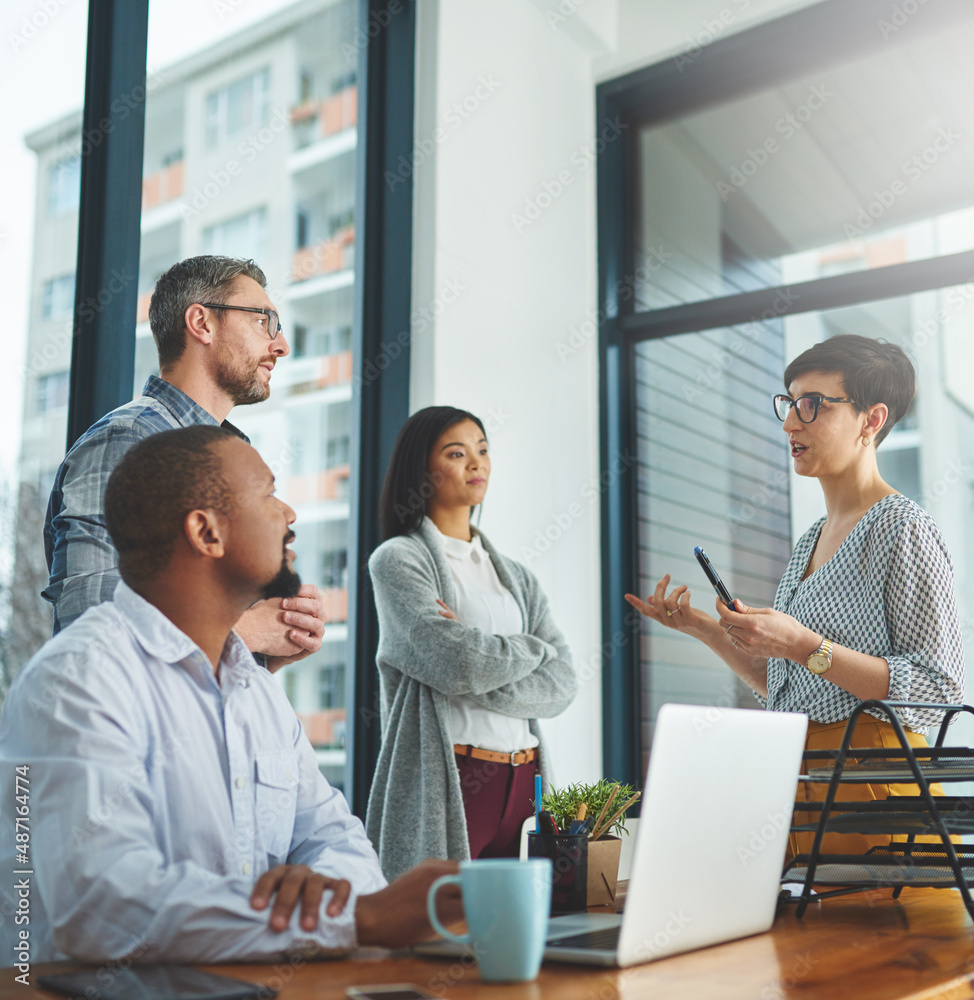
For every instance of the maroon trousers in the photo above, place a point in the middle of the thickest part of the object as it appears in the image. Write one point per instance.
(497, 798)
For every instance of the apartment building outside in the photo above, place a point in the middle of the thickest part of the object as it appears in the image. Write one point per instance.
(250, 152)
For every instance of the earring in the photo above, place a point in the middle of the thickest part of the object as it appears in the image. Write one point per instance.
(865, 441)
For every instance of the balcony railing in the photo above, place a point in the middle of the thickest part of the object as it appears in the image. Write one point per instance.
(319, 118)
(333, 369)
(328, 484)
(325, 257)
(162, 186)
(324, 728)
(335, 601)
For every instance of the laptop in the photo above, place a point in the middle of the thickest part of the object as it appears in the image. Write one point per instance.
(710, 842)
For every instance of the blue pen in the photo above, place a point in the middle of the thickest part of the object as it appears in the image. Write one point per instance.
(537, 803)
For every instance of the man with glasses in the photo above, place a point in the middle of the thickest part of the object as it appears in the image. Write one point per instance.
(218, 338)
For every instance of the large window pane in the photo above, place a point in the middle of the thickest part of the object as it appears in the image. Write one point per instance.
(929, 455)
(861, 164)
(249, 151)
(837, 163)
(714, 469)
(713, 472)
(42, 76)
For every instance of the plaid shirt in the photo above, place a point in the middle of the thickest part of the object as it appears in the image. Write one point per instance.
(80, 556)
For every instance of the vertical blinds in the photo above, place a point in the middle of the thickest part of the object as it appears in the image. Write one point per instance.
(712, 471)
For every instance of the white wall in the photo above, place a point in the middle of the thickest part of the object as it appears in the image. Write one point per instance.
(505, 269)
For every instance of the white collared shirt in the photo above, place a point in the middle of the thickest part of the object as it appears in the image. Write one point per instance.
(158, 796)
(484, 603)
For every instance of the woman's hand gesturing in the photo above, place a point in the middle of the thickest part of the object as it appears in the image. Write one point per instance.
(672, 610)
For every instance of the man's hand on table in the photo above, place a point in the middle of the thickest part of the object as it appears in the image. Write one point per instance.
(396, 916)
(393, 917)
(294, 884)
(284, 630)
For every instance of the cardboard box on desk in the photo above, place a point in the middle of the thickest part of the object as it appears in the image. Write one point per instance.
(603, 870)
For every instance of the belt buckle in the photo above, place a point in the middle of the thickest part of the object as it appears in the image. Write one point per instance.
(516, 763)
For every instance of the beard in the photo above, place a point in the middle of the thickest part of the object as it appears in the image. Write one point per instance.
(285, 584)
(242, 386)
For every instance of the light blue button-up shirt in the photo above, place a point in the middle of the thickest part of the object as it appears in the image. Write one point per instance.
(156, 797)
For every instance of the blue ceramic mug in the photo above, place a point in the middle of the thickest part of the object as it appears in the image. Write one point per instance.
(506, 903)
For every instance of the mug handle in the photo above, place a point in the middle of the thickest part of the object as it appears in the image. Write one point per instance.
(431, 909)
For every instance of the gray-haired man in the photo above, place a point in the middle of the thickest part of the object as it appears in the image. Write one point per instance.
(218, 338)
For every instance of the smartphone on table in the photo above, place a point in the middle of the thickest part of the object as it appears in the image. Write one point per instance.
(388, 991)
(722, 592)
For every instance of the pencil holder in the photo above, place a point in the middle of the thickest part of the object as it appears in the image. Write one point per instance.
(569, 860)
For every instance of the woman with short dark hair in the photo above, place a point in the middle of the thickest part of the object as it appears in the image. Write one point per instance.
(865, 609)
(469, 658)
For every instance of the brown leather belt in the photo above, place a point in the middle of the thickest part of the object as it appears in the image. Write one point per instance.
(515, 758)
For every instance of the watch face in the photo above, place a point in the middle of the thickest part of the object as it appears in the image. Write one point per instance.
(818, 663)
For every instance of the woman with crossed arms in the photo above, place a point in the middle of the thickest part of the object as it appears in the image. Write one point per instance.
(866, 608)
(469, 658)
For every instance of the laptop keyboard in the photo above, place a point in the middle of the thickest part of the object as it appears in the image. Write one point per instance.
(606, 939)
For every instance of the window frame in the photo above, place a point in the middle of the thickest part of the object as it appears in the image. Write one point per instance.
(109, 238)
(801, 42)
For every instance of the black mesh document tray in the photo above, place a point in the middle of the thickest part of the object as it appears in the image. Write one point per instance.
(905, 862)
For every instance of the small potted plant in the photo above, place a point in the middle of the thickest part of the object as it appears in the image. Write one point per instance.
(604, 805)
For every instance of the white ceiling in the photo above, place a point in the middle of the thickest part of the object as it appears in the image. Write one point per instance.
(880, 112)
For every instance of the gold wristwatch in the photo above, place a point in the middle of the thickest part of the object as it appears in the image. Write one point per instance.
(820, 661)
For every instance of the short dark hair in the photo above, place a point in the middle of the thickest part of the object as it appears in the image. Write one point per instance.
(156, 484)
(408, 485)
(196, 279)
(873, 371)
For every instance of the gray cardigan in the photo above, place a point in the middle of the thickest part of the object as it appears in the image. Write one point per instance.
(415, 806)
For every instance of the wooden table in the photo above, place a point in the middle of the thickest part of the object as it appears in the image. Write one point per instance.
(866, 946)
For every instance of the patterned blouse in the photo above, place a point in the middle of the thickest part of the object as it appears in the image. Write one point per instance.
(888, 591)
